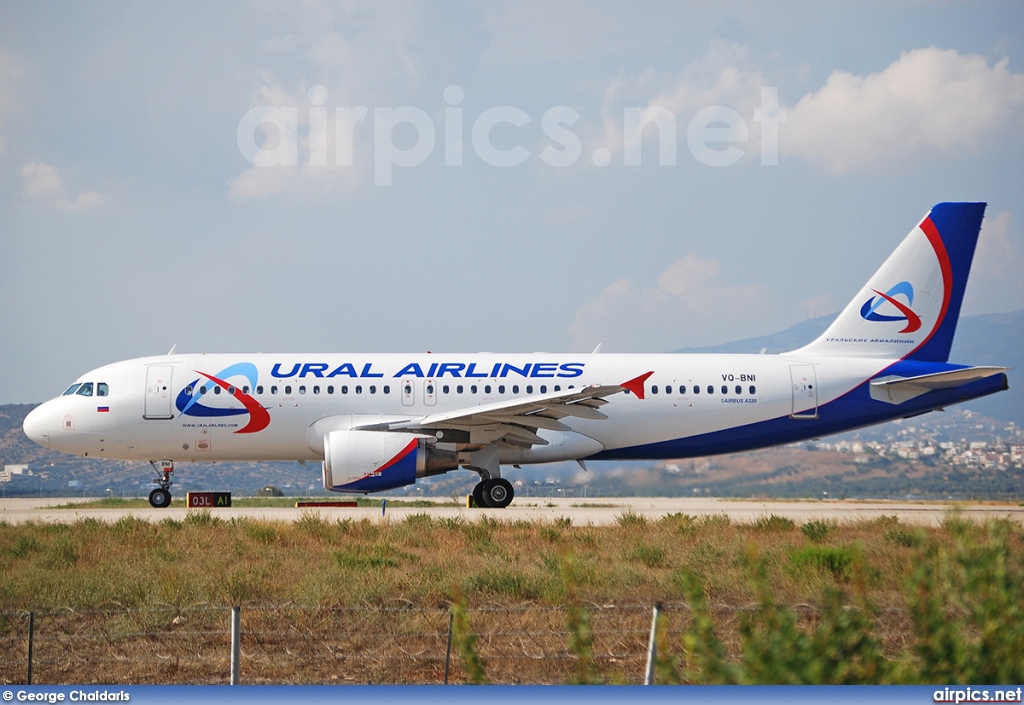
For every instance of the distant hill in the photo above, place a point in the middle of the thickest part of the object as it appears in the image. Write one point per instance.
(989, 339)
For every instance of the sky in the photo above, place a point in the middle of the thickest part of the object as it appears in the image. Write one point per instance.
(482, 176)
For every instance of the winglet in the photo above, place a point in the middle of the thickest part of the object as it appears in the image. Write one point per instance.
(636, 385)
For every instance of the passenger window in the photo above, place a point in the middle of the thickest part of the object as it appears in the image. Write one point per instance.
(558, 387)
(344, 389)
(529, 389)
(711, 390)
(202, 390)
(101, 389)
(330, 389)
(71, 389)
(696, 389)
(472, 389)
(446, 389)
(287, 389)
(458, 389)
(543, 389)
(259, 389)
(487, 389)
(408, 389)
(682, 389)
(85, 390)
(216, 390)
(273, 389)
(359, 389)
(373, 389)
(245, 389)
(515, 389)
(302, 389)
(231, 391)
(753, 389)
(387, 389)
(430, 389)
(316, 389)
(188, 390)
(725, 389)
(654, 389)
(739, 389)
(501, 389)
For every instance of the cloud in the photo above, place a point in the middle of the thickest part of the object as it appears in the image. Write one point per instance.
(341, 56)
(689, 304)
(927, 100)
(725, 77)
(995, 284)
(42, 182)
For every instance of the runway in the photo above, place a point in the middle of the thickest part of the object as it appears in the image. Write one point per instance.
(596, 512)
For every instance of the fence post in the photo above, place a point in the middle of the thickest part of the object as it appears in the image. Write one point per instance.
(448, 653)
(31, 640)
(236, 642)
(652, 647)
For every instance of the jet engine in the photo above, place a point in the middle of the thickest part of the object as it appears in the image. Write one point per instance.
(371, 461)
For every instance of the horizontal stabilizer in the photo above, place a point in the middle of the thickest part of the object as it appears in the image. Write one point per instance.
(896, 390)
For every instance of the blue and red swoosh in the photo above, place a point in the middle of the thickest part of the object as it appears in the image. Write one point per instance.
(188, 399)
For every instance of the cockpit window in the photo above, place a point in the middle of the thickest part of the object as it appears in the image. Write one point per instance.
(85, 390)
(102, 389)
(72, 389)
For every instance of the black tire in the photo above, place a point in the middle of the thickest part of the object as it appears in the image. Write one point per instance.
(478, 494)
(159, 498)
(498, 493)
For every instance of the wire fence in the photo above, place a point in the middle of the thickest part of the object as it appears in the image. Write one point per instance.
(289, 644)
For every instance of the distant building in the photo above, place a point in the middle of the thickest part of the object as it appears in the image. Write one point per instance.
(10, 471)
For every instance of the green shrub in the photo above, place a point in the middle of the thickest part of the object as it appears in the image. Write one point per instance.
(837, 561)
(818, 530)
(904, 536)
(650, 555)
(631, 520)
(774, 524)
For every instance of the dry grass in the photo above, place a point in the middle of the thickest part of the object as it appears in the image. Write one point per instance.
(305, 588)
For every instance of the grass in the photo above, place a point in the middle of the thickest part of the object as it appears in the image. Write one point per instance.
(320, 561)
(256, 502)
(756, 600)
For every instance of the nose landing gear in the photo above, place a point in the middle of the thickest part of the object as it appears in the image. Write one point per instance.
(161, 496)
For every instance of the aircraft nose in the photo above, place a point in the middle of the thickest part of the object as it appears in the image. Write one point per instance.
(37, 426)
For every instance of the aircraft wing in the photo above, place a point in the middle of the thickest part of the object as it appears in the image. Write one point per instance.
(516, 420)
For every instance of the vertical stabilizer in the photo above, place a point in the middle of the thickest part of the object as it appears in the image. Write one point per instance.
(910, 307)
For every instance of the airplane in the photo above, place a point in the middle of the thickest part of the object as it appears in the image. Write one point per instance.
(381, 421)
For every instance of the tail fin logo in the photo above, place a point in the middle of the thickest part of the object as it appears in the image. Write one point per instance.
(869, 311)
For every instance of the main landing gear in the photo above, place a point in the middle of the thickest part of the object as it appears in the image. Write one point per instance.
(161, 496)
(494, 493)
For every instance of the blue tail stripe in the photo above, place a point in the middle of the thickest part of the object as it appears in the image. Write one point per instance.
(958, 225)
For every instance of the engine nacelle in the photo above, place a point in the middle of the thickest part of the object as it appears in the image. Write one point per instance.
(371, 461)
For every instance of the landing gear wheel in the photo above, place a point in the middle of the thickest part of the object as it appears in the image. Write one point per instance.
(478, 494)
(497, 492)
(159, 498)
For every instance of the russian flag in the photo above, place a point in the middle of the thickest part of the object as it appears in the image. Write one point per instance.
(102, 409)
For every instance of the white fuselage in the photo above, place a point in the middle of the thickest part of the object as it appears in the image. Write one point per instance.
(688, 395)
